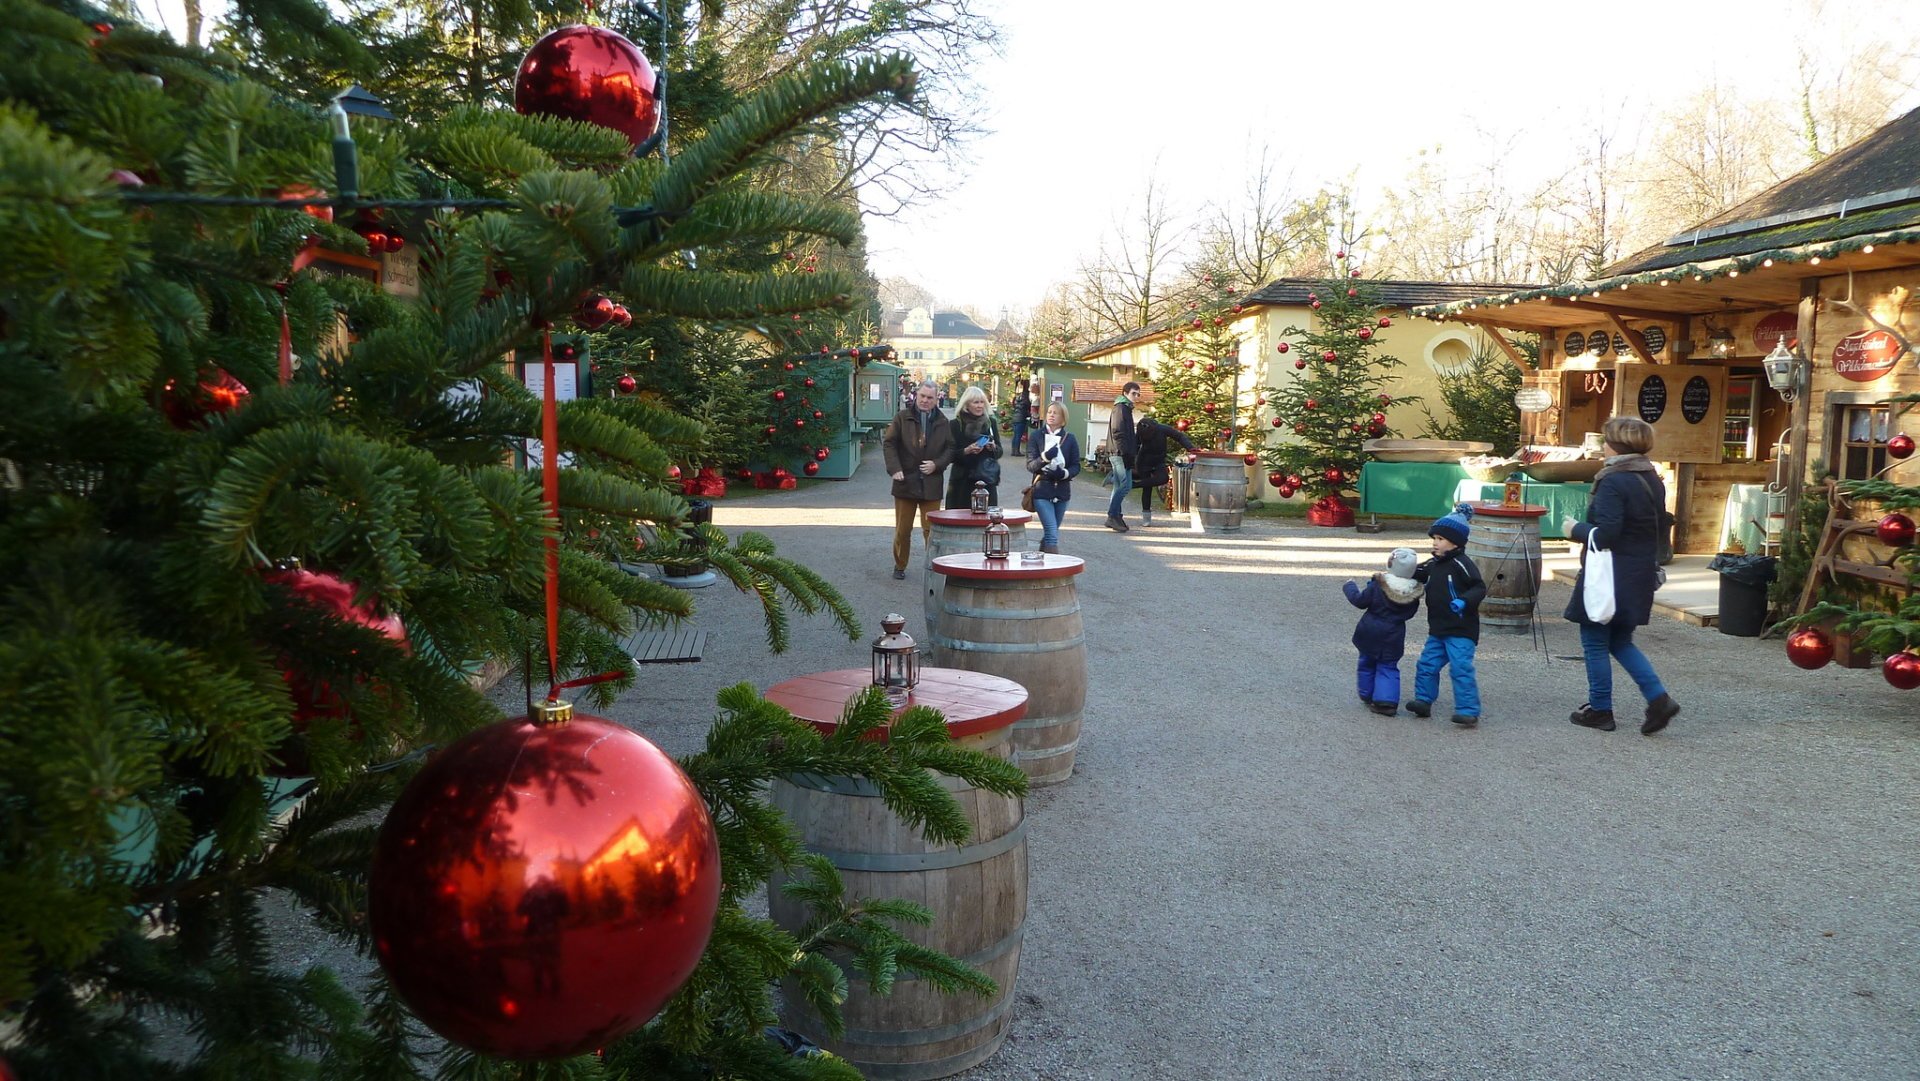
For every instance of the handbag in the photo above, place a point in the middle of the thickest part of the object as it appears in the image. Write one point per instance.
(1596, 582)
(1662, 531)
(1026, 497)
(987, 470)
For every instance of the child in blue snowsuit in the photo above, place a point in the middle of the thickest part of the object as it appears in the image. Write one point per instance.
(1390, 600)
(1454, 592)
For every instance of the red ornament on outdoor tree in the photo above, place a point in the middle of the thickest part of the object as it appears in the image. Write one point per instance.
(1287, 491)
(1277, 479)
(1277, 422)
(1311, 403)
(1329, 355)
(1251, 459)
(1315, 305)
(779, 395)
(627, 384)
(540, 890)
(1895, 529)
(1208, 407)
(1183, 424)
(809, 380)
(810, 468)
(1902, 670)
(1366, 333)
(1335, 476)
(1186, 364)
(595, 313)
(217, 392)
(1353, 292)
(1900, 446)
(1810, 648)
(592, 75)
(1299, 429)
(1293, 480)
(817, 415)
(1282, 347)
(313, 697)
(1378, 418)
(770, 430)
(821, 454)
(1385, 322)
(621, 316)
(1384, 400)
(1213, 367)
(1299, 365)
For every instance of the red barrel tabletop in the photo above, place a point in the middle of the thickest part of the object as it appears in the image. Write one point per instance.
(975, 565)
(1009, 515)
(972, 702)
(1501, 510)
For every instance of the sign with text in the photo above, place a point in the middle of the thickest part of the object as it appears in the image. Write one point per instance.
(1769, 330)
(1865, 356)
(1533, 400)
(1689, 433)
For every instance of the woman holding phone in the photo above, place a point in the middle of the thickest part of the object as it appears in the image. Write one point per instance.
(977, 435)
(1053, 457)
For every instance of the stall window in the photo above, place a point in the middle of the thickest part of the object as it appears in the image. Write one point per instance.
(1863, 445)
(1738, 433)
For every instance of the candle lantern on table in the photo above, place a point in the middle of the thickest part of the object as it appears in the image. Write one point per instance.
(896, 659)
(979, 502)
(997, 540)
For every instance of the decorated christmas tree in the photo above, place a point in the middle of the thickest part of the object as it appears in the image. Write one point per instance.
(263, 525)
(1197, 387)
(1336, 403)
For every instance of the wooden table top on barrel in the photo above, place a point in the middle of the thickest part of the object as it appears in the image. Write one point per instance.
(1009, 515)
(975, 565)
(1495, 509)
(973, 702)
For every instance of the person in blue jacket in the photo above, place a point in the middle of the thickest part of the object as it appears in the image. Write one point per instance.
(1053, 457)
(1454, 592)
(1390, 600)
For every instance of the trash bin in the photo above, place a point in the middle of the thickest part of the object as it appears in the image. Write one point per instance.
(1743, 592)
(1182, 487)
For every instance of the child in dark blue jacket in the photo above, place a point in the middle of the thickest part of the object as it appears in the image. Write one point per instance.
(1454, 592)
(1390, 600)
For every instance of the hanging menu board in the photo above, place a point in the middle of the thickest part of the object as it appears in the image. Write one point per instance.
(1688, 433)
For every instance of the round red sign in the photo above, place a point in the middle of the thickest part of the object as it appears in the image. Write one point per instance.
(1865, 356)
(1768, 331)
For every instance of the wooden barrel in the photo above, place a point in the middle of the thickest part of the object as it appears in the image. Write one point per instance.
(1219, 491)
(978, 894)
(1021, 620)
(1505, 544)
(955, 532)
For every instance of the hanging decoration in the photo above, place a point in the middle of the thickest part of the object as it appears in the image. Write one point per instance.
(592, 75)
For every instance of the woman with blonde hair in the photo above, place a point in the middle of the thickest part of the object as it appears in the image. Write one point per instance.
(1626, 515)
(1053, 457)
(976, 434)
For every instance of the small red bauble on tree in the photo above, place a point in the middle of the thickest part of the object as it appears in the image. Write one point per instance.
(789, 365)
(1335, 476)
(1178, 338)
(1378, 418)
(1207, 407)
(799, 422)
(1900, 446)
(1810, 648)
(1277, 422)
(1183, 424)
(592, 75)
(770, 430)
(1315, 305)
(1340, 254)
(809, 380)
(1186, 394)
(1376, 430)
(1277, 479)
(1300, 365)
(1384, 400)
(821, 454)
(1311, 297)
(1287, 491)
(626, 384)
(1260, 400)
(1283, 347)
(1299, 429)
(1353, 292)
(1895, 529)
(1902, 670)
(1186, 364)
(217, 392)
(1385, 322)
(1311, 403)
(1366, 333)
(541, 889)
(1198, 322)
(1213, 367)
(1329, 355)
(1251, 459)
(779, 395)
(1294, 481)
(313, 698)
(810, 468)
(818, 414)
(595, 313)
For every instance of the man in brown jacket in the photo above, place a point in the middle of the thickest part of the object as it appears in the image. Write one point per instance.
(918, 446)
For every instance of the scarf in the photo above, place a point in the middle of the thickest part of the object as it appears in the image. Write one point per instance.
(1400, 590)
(1625, 463)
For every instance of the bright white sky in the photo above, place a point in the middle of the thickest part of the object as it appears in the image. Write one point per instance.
(1091, 94)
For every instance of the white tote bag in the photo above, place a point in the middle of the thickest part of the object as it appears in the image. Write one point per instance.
(1596, 587)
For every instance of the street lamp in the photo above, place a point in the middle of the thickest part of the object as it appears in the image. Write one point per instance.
(1784, 370)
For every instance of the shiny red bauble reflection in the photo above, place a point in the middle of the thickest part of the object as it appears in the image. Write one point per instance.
(314, 697)
(1895, 529)
(216, 392)
(1900, 446)
(1282, 347)
(810, 468)
(1299, 365)
(1183, 424)
(540, 891)
(1810, 648)
(1277, 479)
(1287, 491)
(1902, 670)
(589, 74)
(1251, 459)
(626, 384)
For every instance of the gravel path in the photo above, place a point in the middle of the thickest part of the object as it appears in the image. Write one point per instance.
(1250, 876)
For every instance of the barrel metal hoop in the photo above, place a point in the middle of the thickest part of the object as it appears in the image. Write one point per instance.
(970, 612)
(1032, 723)
(1035, 754)
(909, 1037)
(925, 861)
(964, 646)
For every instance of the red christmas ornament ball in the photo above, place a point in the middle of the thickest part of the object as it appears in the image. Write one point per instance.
(799, 422)
(770, 430)
(1376, 430)
(1277, 422)
(1902, 670)
(1183, 424)
(1208, 407)
(1329, 355)
(1251, 459)
(809, 380)
(1385, 322)
(1365, 333)
(1810, 648)
(1260, 401)
(1353, 292)
(1294, 481)
(217, 392)
(1186, 364)
(779, 395)
(1277, 479)
(1282, 347)
(1315, 305)
(592, 75)
(1311, 403)
(810, 468)
(539, 891)
(1900, 446)
(1198, 322)
(1237, 309)
(594, 313)
(821, 454)
(627, 384)
(1213, 367)
(1384, 400)
(1179, 337)
(1335, 476)
(673, 471)
(1378, 418)
(1287, 491)
(1895, 529)
(1312, 297)
(313, 697)
(818, 414)
(1300, 429)
(1300, 365)
(789, 365)
(1185, 394)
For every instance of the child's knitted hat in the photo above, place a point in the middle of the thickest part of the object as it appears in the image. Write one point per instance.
(1401, 562)
(1453, 526)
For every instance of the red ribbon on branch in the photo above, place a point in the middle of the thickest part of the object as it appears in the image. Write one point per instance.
(550, 491)
(286, 345)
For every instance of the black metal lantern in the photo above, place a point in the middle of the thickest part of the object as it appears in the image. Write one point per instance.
(896, 660)
(979, 504)
(997, 540)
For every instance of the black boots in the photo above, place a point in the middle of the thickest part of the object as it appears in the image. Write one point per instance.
(1659, 712)
(1420, 709)
(1588, 717)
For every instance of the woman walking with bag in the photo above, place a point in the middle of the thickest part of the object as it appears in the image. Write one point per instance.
(977, 435)
(1626, 515)
(1053, 457)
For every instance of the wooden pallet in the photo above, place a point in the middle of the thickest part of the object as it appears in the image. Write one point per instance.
(667, 647)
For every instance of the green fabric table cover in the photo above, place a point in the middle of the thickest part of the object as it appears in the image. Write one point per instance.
(1409, 489)
(1568, 499)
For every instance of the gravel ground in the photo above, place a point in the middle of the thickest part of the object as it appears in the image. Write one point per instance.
(1250, 876)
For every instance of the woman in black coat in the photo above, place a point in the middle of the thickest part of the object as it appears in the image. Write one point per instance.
(1625, 516)
(1150, 466)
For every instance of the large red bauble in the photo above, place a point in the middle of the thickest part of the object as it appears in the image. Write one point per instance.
(810, 468)
(627, 384)
(539, 891)
(217, 392)
(595, 313)
(1902, 670)
(589, 74)
(1895, 529)
(1900, 446)
(1277, 479)
(1810, 648)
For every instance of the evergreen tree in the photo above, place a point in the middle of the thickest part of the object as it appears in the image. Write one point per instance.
(1197, 387)
(161, 668)
(1327, 413)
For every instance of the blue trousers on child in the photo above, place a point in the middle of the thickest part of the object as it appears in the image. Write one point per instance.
(1379, 679)
(1455, 653)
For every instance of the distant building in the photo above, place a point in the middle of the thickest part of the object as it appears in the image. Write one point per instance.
(930, 343)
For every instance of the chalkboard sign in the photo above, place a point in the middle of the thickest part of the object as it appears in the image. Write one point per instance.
(1653, 399)
(1656, 339)
(1620, 345)
(1597, 344)
(1575, 344)
(1696, 399)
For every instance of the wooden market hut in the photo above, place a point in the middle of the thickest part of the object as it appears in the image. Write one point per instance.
(1829, 259)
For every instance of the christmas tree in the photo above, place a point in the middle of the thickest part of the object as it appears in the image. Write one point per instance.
(1197, 387)
(1338, 402)
(194, 406)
